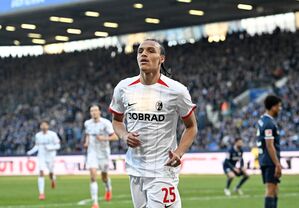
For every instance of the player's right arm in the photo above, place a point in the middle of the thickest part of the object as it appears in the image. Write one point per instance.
(117, 108)
(86, 136)
(86, 140)
(34, 148)
(269, 140)
(119, 127)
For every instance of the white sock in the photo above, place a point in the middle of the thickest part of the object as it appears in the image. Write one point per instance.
(108, 186)
(94, 192)
(41, 185)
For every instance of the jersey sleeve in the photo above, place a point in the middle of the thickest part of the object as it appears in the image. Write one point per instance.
(268, 131)
(86, 128)
(55, 144)
(117, 105)
(34, 149)
(109, 128)
(185, 105)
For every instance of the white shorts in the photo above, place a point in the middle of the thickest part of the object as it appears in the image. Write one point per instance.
(93, 161)
(46, 164)
(155, 192)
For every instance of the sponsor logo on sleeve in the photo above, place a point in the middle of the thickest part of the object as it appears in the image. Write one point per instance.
(268, 133)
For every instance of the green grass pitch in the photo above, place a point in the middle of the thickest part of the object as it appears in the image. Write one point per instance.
(197, 191)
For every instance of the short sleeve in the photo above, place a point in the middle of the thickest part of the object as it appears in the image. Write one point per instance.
(109, 128)
(185, 105)
(117, 105)
(86, 128)
(268, 131)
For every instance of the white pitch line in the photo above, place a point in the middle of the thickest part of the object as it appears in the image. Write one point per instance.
(205, 198)
(84, 202)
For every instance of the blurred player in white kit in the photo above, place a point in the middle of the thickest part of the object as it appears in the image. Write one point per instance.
(46, 144)
(98, 133)
(151, 104)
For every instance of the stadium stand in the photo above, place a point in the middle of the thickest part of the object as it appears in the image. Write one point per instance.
(59, 88)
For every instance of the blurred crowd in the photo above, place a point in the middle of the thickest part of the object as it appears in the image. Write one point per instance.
(60, 88)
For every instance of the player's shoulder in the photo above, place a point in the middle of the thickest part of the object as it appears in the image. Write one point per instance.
(231, 149)
(87, 122)
(52, 132)
(127, 81)
(268, 121)
(105, 120)
(38, 134)
(173, 84)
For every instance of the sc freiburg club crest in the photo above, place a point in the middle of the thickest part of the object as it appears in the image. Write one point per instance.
(159, 105)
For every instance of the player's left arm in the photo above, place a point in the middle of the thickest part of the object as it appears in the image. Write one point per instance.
(187, 139)
(110, 137)
(109, 130)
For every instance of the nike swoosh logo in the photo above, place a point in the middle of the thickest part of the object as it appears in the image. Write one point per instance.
(130, 104)
(166, 206)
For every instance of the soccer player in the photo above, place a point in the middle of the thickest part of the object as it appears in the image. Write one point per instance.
(98, 133)
(268, 140)
(235, 155)
(151, 104)
(46, 144)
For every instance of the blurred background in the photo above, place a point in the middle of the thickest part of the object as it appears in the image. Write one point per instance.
(229, 54)
(59, 56)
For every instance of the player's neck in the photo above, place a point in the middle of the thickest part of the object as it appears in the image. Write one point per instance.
(270, 113)
(96, 119)
(44, 132)
(149, 78)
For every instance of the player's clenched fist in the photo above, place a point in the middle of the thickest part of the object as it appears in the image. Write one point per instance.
(174, 159)
(132, 140)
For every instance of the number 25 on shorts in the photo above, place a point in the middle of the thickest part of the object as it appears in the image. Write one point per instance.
(169, 195)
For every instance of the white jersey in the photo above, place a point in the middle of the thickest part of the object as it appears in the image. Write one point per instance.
(152, 111)
(46, 144)
(101, 128)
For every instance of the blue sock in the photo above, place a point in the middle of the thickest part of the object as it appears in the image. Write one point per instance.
(242, 181)
(269, 202)
(228, 182)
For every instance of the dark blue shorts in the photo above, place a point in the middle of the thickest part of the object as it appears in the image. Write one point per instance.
(268, 175)
(228, 169)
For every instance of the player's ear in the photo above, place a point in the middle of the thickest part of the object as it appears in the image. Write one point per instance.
(162, 59)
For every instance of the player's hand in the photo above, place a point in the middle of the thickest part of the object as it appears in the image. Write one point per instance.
(237, 170)
(85, 145)
(132, 140)
(174, 159)
(277, 173)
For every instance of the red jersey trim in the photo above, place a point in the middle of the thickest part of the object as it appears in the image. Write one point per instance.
(160, 81)
(189, 113)
(115, 112)
(135, 82)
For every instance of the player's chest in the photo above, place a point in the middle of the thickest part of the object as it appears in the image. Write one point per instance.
(44, 139)
(236, 155)
(95, 128)
(149, 100)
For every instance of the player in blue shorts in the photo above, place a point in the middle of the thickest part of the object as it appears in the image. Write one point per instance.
(268, 140)
(234, 157)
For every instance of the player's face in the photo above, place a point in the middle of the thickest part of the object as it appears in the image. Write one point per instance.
(149, 57)
(44, 126)
(276, 109)
(239, 144)
(95, 112)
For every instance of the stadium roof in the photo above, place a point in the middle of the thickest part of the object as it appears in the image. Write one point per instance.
(128, 18)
